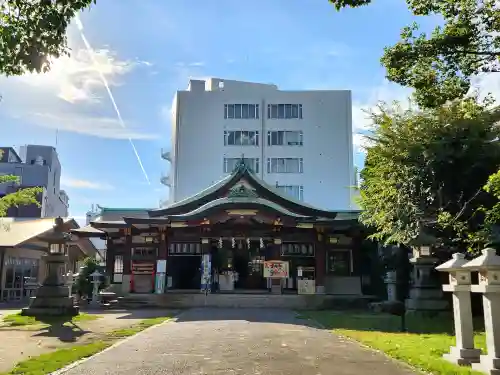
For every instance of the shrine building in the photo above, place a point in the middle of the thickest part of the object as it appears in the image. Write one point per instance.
(240, 235)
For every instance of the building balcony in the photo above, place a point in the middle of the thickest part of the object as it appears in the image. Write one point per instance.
(166, 180)
(166, 155)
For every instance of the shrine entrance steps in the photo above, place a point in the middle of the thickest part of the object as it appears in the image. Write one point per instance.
(244, 300)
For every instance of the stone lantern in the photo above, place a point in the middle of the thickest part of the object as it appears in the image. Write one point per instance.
(95, 280)
(488, 267)
(425, 293)
(52, 298)
(464, 352)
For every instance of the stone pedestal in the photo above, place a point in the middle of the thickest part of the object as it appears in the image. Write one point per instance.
(52, 298)
(425, 292)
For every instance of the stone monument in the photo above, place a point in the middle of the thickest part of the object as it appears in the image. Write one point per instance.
(463, 353)
(52, 297)
(426, 295)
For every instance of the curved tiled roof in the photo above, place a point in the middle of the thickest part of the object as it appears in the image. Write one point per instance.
(241, 202)
(217, 190)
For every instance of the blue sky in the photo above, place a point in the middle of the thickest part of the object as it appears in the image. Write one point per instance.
(147, 49)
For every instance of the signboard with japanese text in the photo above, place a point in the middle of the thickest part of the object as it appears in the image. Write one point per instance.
(275, 269)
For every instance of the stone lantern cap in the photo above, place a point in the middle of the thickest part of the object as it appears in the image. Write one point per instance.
(489, 260)
(57, 235)
(454, 264)
(95, 274)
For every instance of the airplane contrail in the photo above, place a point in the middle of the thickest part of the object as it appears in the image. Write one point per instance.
(79, 25)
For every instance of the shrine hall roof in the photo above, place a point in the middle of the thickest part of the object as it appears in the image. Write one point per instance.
(242, 202)
(271, 195)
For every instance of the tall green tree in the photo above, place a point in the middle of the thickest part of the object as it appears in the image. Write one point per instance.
(439, 66)
(33, 32)
(425, 171)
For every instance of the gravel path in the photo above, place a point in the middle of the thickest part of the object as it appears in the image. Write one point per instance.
(238, 341)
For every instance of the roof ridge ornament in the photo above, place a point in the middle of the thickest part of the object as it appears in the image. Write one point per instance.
(241, 165)
(242, 191)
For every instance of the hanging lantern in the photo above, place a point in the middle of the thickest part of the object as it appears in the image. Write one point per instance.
(233, 243)
(220, 243)
(261, 243)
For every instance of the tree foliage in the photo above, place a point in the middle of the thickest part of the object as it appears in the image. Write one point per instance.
(425, 170)
(439, 66)
(33, 32)
(22, 197)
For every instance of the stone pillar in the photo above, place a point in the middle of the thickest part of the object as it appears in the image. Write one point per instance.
(320, 264)
(425, 292)
(127, 258)
(463, 353)
(488, 267)
(391, 283)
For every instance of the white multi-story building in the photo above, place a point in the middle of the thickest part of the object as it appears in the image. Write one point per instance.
(298, 141)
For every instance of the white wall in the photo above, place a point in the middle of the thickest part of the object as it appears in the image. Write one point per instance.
(198, 139)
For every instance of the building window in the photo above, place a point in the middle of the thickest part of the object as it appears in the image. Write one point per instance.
(339, 263)
(151, 239)
(285, 165)
(297, 249)
(241, 111)
(241, 138)
(231, 163)
(284, 111)
(184, 249)
(118, 269)
(295, 191)
(17, 272)
(145, 251)
(285, 138)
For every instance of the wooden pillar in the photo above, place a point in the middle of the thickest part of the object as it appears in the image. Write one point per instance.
(205, 246)
(276, 249)
(320, 264)
(163, 245)
(127, 280)
(110, 259)
(276, 285)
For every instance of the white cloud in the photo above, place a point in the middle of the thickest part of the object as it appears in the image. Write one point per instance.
(386, 92)
(361, 122)
(85, 184)
(102, 127)
(71, 96)
(76, 78)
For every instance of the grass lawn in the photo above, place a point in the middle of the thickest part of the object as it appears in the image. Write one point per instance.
(17, 320)
(422, 346)
(50, 362)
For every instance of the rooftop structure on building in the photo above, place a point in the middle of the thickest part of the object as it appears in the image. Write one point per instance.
(35, 166)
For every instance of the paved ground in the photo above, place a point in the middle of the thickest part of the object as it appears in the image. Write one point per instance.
(20, 343)
(238, 341)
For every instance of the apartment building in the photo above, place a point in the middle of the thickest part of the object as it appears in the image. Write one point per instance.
(35, 165)
(297, 141)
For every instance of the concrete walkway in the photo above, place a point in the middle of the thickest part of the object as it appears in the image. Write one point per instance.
(238, 341)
